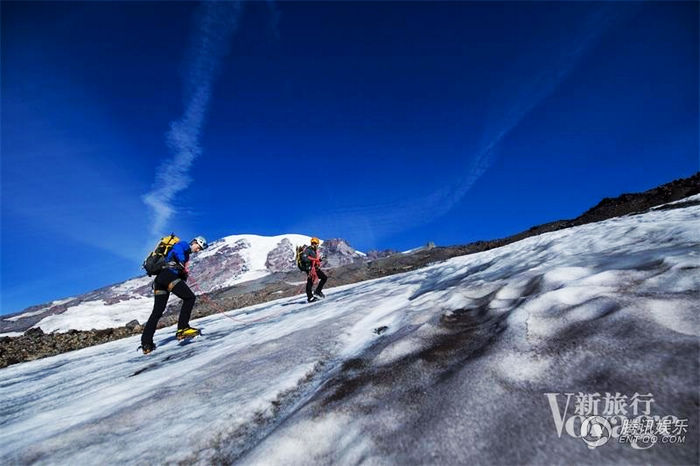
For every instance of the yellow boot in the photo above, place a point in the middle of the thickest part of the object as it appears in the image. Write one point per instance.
(188, 332)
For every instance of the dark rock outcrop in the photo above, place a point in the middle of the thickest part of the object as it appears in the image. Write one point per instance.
(36, 344)
(215, 270)
(374, 254)
(281, 258)
(640, 202)
(337, 252)
(132, 325)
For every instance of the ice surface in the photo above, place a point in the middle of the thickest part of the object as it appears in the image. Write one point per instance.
(457, 377)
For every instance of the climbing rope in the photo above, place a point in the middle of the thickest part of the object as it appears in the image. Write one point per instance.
(218, 308)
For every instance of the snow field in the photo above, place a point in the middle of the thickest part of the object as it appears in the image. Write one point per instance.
(274, 391)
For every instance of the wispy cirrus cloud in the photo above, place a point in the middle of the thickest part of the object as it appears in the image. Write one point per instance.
(529, 93)
(512, 102)
(216, 23)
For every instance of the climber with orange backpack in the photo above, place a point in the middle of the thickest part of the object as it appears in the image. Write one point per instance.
(168, 262)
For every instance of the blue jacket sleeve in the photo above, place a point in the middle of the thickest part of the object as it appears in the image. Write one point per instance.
(179, 252)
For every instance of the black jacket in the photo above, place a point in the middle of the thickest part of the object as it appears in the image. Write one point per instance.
(309, 254)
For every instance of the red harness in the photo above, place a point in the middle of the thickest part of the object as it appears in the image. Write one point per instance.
(315, 262)
(312, 273)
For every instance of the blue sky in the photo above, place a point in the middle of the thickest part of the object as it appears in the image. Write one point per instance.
(388, 124)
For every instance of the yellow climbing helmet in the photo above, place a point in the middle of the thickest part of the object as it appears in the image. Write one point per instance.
(315, 240)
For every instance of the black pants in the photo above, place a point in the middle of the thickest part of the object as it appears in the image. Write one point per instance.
(162, 288)
(310, 282)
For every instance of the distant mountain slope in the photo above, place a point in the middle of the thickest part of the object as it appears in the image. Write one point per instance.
(228, 261)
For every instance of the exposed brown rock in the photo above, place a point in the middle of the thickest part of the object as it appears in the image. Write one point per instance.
(36, 344)
(281, 258)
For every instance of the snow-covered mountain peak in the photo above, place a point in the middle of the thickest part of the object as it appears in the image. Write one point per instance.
(240, 258)
(255, 249)
(228, 261)
(258, 243)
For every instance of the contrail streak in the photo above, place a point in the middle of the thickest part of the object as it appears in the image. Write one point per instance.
(532, 94)
(216, 25)
(390, 218)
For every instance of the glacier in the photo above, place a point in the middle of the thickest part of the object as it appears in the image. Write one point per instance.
(448, 364)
